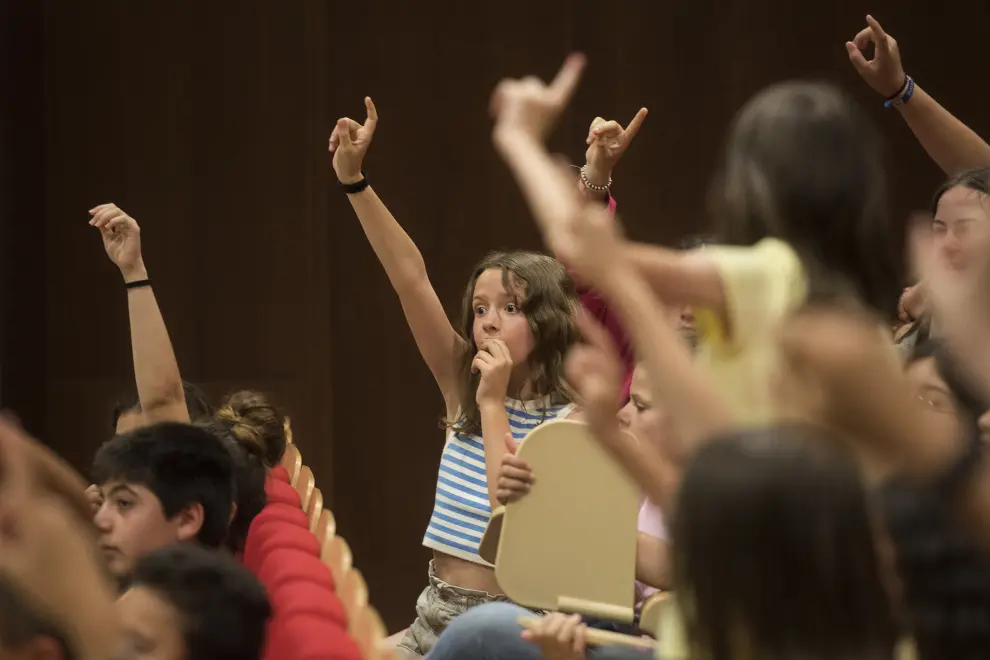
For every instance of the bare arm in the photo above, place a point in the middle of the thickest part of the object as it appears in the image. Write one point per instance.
(870, 399)
(156, 371)
(655, 476)
(438, 342)
(494, 429)
(950, 143)
(653, 561)
(676, 381)
(679, 278)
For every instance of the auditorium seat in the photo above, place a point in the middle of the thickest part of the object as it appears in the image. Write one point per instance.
(279, 473)
(308, 637)
(305, 598)
(282, 493)
(287, 565)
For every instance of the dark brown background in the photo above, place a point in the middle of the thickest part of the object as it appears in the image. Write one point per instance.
(208, 122)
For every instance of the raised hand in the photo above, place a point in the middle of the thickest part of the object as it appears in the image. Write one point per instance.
(95, 497)
(121, 239)
(884, 73)
(595, 371)
(559, 636)
(532, 107)
(607, 141)
(349, 144)
(515, 476)
(494, 364)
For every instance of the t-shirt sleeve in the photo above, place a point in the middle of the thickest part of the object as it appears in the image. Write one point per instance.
(761, 284)
(651, 521)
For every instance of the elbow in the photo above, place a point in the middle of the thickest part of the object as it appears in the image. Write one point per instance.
(169, 404)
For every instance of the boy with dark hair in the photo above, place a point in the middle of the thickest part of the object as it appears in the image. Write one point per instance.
(189, 603)
(160, 485)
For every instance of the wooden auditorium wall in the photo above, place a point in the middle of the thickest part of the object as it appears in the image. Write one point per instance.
(208, 122)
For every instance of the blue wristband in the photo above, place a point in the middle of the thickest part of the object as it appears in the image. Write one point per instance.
(903, 96)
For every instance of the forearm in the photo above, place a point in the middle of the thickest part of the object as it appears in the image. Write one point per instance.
(676, 277)
(652, 561)
(948, 141)
(398, 254)
(156, 371)
(652, 474)
(537, 175)
(677, 383)
(494, 426)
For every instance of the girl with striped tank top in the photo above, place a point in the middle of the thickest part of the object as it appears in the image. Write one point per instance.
(500, 372)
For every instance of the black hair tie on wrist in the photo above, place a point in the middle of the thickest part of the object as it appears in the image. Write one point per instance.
(356, 187)
(137, 284)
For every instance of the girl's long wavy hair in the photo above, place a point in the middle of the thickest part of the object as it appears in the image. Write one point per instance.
(548, 299)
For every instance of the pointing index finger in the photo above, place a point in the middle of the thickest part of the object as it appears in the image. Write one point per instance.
(879, 36)
(372, 119)
(636, 123)
(567, 79)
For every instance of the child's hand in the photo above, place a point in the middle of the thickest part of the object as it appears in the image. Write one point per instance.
(515, 476)
(95, 497)
(121, 239)
(349, 144)
(560, 637)
(607, 141)
(595, 371)
(530, 106)
(884, 73)
(494, 363)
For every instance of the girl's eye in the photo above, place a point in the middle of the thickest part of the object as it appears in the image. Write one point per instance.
(479, 311)
(122, 504)
(511, 308)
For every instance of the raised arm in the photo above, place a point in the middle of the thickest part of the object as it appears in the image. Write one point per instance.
(950, 143)
(438, 342)
(607, 141)
(156, 371)
(586, 238)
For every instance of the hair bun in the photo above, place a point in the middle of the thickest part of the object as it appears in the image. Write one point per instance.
(256, 424)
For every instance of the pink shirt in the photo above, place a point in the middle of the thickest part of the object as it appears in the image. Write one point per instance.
(652, 524)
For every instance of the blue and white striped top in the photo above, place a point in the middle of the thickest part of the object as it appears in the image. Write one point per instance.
(462, 510)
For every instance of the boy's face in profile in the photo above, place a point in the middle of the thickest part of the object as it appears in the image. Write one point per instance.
(152, 626)
(131, 523)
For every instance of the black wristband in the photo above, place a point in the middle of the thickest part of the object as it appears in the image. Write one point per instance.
(356, 187)
(900, 90)
(137, 284)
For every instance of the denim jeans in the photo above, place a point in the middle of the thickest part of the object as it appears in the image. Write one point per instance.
(492, 632)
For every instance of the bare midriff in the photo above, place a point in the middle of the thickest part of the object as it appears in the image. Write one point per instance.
(465, 574)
